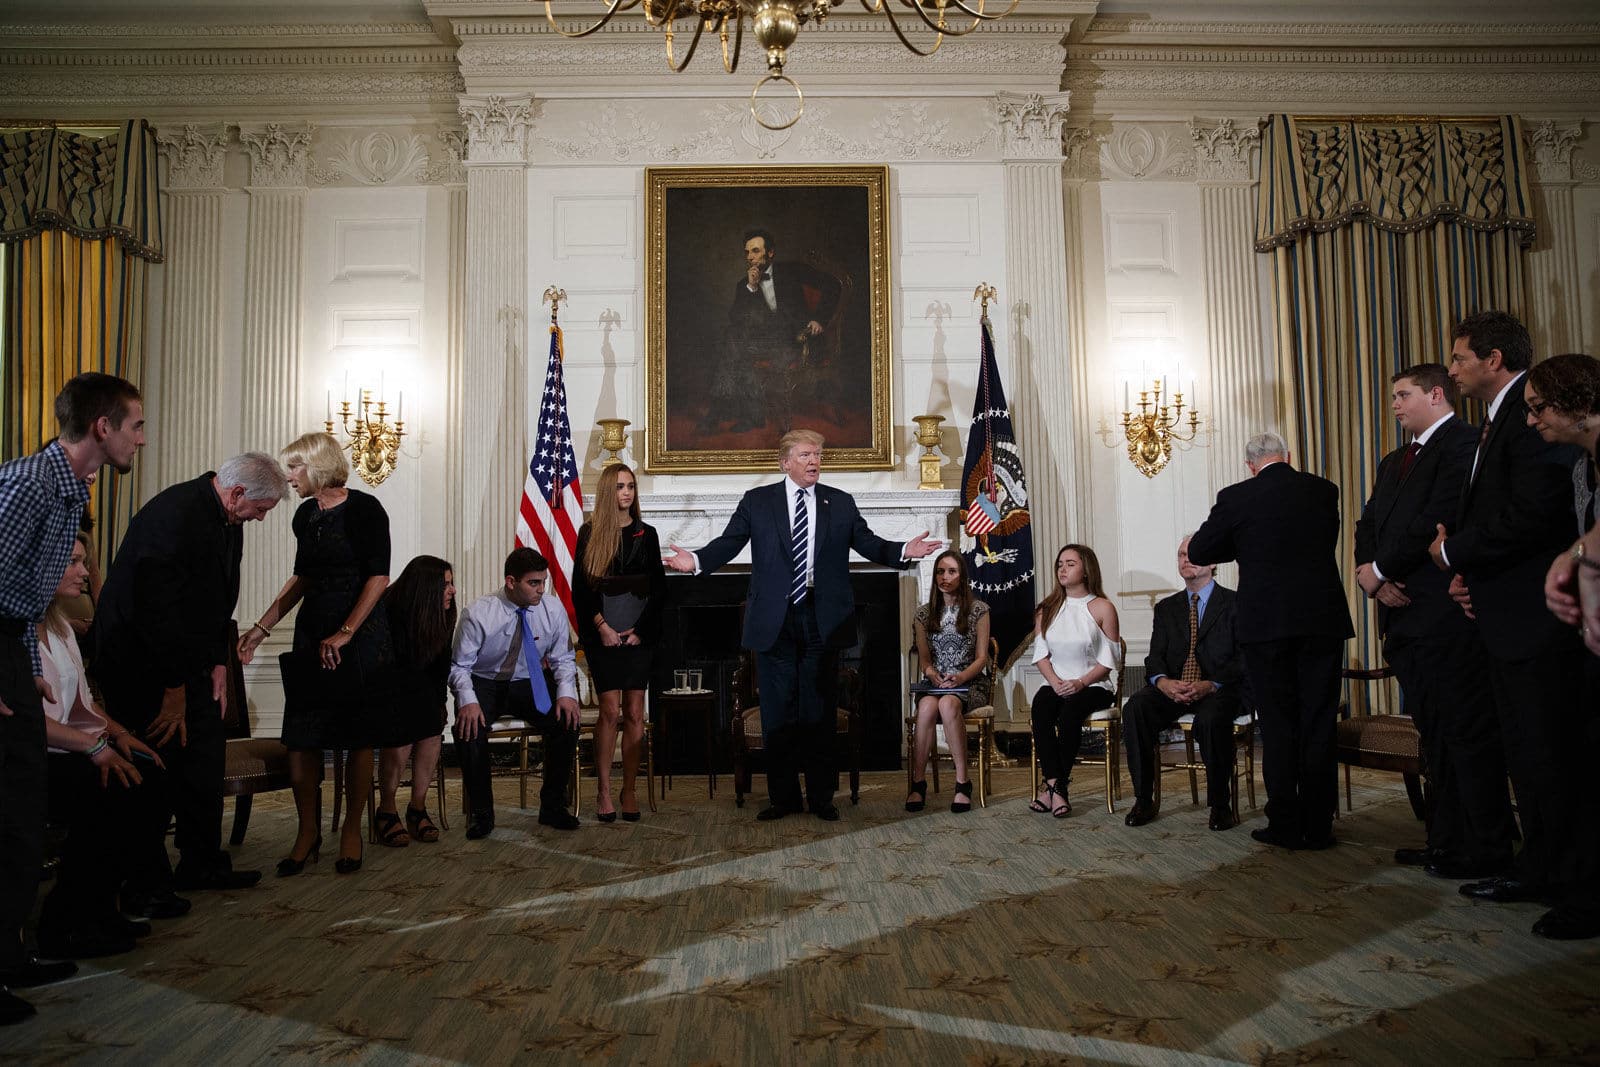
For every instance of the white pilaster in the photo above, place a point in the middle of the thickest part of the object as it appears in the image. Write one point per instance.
(1556, 318)
(1241, 399)
(270, 415)
(493, 381)
(1050, 412)
(188, 402)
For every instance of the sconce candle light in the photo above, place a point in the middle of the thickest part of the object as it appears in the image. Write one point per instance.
(372, 440)
(1151, 432)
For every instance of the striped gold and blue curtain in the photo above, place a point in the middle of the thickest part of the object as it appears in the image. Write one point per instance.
(1384, 234)
(79, 227)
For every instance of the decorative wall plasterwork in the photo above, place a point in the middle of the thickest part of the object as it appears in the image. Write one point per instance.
(1156, 29)
(665, 131)
(279, 153)
(1552, 145)
(74, 32)
(95, 92)
(1030, 124)
(1224, 151)
(1081, 151)
(194, 155)
(497, 128)
(449, 167)
(1136, 152)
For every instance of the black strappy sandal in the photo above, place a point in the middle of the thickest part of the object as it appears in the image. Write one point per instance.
(420, 826)
(920, 787)
(1066, 805)
(391, 831)
(962, 789)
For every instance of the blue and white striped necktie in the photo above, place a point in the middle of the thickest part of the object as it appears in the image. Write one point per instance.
(797, 546)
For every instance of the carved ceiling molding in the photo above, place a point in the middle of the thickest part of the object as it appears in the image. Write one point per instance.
(194, 155)
(191, 31)
(279, 153)
(91, 93)
(264, 56)
(1157, 29)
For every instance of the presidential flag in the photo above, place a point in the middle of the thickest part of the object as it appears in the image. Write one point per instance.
(552, 499)
(998, 541)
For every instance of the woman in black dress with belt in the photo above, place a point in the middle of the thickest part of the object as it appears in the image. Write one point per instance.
(341, 645)
(421, 606)
(617, 591)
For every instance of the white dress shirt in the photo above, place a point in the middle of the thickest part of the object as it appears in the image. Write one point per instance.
(768, 293)
(484, 638)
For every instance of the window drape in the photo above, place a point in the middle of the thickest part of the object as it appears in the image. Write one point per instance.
(1384, 234)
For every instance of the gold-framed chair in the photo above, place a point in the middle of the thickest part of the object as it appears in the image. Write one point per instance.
(438, 785)
(1378, 741)
(518, 732)
(588, 720)
(1244, 740)
(1108, 722)
(979, 719)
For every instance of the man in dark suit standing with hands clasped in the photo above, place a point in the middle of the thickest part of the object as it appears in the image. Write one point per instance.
(798, 614)
(1432, 646)
(1282, 525)
(1194, 668)
(1516, 515)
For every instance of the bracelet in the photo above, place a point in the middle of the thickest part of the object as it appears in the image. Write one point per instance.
(347, 631)
(99, 746)
(257, 626)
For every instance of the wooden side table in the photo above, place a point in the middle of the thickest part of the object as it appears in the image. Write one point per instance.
(669, 705)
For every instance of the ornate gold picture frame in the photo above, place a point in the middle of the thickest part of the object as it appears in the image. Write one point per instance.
(734, 357)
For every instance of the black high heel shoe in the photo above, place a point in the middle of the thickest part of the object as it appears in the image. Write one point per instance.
(957, 804)
(288, 867)
(349, 865)
(920, 787)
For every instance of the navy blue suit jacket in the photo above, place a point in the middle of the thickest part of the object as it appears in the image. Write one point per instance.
(762, 521)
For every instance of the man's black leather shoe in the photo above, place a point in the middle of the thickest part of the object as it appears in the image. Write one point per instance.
(215, 877)
(558, 819)
(1500, 890)
(119, 926)
(1462, 870)
(1417, 857)
(14, 1009)
(1568, 924)
(1221, 819)
(165, 905)
(825, 812)
(35, 972)
(1317, 843)
(1141, 812)
(479, 826)
(770, 813)
(88, 944)
(1276, 838)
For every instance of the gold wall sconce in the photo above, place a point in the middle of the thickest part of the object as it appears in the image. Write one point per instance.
(1152, 431)
(928, 436)
(371, 439)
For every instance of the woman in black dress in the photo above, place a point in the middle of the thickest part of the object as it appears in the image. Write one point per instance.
(617, 592)
(421, 606)
(341, 645)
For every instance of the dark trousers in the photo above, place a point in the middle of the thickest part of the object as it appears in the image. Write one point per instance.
(1058, 728)
(514, 700)
(191, 789)
(22, 792)
(1448, 695)
(1295, 682)
(109, 829)
(1538, 703)
(798, 680)
(1149, 711)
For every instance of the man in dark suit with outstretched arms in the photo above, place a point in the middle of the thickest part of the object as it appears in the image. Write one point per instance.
(1432, 646)
(799, 612)
(1194, 668)
(1282, 525)
(1516, 515)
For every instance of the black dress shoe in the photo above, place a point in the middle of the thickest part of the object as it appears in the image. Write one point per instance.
(1221, 819)
(118, 926)
(558, 819)
(479, 826)
(86, 944)
(1141, 812)
(825, 812)
(164, 905)
(771, 813)
(1501, 890)
(35, 972)
(1460, 870)
(1568, 924)
(1417, 857)
(1318, 842)
(13, 1009)
(1267, 835)
(215, 877)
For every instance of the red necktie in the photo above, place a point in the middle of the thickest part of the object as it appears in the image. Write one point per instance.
(1409, 460)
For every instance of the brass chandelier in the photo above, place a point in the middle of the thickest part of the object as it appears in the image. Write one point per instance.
(776, 24)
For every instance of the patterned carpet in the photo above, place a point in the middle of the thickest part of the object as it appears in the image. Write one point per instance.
(701, 936)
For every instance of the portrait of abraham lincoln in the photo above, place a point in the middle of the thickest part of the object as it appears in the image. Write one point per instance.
(767, 310)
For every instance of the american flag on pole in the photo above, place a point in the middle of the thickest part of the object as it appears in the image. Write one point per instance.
(552, 499)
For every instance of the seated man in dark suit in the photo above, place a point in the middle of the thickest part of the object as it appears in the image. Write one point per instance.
(1194, 667)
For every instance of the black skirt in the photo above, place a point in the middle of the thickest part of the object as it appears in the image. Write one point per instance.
(621, 667)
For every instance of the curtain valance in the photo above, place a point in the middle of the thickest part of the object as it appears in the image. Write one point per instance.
(91, 187)
(1320, 174)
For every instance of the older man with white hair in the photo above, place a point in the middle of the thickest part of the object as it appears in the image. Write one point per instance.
(162, 639)
(1282, 525)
